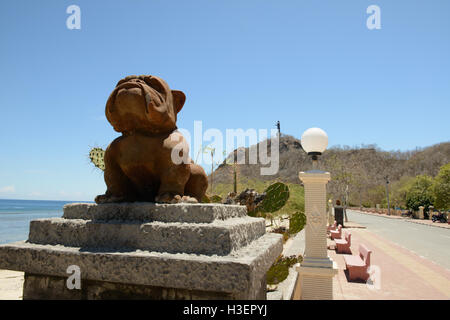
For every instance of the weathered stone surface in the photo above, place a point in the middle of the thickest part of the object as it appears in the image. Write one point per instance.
(142, 250)
(39, 287)
(147, 211)
(219, 237)
(241, 273)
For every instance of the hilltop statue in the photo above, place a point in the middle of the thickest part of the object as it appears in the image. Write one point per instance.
(143, 163)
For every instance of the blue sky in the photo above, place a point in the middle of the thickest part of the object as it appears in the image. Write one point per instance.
(242, 64)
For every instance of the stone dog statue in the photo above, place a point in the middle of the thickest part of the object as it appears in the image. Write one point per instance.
(139, 165)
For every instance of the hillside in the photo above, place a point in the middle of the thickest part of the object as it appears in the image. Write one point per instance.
(363, 169)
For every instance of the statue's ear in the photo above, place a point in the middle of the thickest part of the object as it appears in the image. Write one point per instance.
(178, 99)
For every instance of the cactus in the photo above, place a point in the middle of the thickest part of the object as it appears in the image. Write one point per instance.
(276, 197)
(212, 199)
(297, 222)
(279, 271)
(97, 156)
(216, 199)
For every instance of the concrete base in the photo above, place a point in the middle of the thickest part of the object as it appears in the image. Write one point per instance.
(39, 287)
(137, 257)
(316, 283)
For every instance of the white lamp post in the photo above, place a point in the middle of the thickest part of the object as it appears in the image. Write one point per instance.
(317, 269)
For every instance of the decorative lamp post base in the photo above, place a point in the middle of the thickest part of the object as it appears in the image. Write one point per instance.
(317, 270)
(316, 283)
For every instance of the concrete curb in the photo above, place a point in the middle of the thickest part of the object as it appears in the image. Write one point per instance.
(436, 224)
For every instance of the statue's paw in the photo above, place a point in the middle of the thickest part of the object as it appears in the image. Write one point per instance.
(187, 199)
(103, 198)
(176, 199)
(168, 198)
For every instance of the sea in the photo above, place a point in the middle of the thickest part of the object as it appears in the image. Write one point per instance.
(15, 216)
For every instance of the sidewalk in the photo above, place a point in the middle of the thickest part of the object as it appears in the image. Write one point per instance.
(419, 221)
(403, 274)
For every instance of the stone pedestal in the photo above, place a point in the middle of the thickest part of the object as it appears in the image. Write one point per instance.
(317, 269)
(430, 212)
(421, 215)
(146, 251)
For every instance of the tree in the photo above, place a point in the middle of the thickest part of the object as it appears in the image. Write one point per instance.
(377, 195)
(441, 188)
(399, 189)
(212, 151)
(342, 177)
(420, 193)
(233, 162)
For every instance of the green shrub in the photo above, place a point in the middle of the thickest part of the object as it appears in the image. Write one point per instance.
(279, 271)
(420, 193)
(366, 205)
(215, 199)
(441, 188)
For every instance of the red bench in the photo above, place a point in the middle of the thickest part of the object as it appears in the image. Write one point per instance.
(332, 227)
(357, 266)
(343, 245)
(336, 234)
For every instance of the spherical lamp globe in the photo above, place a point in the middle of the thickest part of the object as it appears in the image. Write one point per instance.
(314, 141)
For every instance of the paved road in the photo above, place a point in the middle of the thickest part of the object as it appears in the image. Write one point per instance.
(429, 242)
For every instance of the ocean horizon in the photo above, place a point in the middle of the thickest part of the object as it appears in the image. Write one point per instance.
(15, 216)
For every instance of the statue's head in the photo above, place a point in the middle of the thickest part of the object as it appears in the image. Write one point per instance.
(143, 104)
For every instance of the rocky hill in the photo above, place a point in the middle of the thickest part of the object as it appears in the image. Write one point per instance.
(361, 168)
